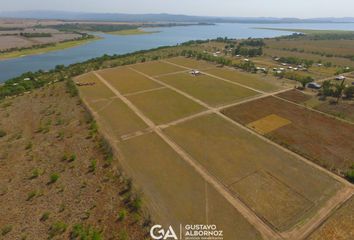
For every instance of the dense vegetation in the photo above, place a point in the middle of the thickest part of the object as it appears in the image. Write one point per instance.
(90, 27)
(35, 35)
(84, 36)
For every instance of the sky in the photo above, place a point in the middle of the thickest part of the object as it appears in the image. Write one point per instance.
(233, 8)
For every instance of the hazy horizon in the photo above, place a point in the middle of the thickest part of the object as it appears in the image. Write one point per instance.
(217, 8)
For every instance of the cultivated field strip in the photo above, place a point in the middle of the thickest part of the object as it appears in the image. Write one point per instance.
(262, 225)
(264, 229)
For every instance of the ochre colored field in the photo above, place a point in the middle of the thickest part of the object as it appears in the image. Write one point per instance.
(339, 226)
(280, 205)
(256, 81)
(191, 63)
(126, 80)
(164, 105)
(326, 141)
(232, 154)
(268, 124)
(175, 193)
(156, 68)
(94, 92)
(119, 120)
(208, 89)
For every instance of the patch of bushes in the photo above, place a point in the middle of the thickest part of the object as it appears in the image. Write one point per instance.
(2, 133)
(54, 177)
(6, 229)
(81, 232)
(71, 88)
(57, 228)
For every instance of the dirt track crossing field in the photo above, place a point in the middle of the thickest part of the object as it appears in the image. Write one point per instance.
(181, 141)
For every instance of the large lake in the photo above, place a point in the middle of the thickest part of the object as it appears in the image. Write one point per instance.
(113, 44)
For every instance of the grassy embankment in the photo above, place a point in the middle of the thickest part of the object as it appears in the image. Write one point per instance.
(56, 47)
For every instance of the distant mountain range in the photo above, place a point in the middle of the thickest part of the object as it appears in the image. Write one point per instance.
(163, 17)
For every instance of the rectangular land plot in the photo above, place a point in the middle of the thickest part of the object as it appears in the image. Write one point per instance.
(165, 105)
(126, 80)
(175, 193)
(326, 141)
(95, 92)
(280, 205)
(338, 226)
(255, 81)
(295, 96)
(118, 119)
(210, 90)
(156, 68)
(191, 63)
(230, 153)
(268, 124)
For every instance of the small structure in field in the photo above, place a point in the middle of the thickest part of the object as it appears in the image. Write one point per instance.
(313, 85)
(195, 72)
(340, 78)
(85, 84)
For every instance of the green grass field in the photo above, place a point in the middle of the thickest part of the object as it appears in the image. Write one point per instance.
(165, 105)
(156, 68)
(256, 81)
(174, 192)
(126, 80)
(232, 154)
(208, 89)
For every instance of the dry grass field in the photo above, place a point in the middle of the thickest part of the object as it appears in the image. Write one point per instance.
(344, 109)
(191, 63)
(200, 153)
(53, 176)
(127, 81)
(235, 156)
(256, 81)
(208, 89)
(338, 226)
(156, 68)
(165, 105)
(310, 134)
(337, 47)
(175, 193)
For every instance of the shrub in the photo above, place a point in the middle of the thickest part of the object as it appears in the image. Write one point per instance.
(31, 195)
(29, 146)
(122, 214)
(85, 233)
(44, 217)
(35, 173)
(53, 178)
(93, 165)
(2, 133)
(6, 229)
(350, 174)
(56, 229)
(71, 88)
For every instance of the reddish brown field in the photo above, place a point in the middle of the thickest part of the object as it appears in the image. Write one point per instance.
(295, 96)
(326, 141)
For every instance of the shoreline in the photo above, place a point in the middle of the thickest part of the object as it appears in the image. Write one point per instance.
(38, 51)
